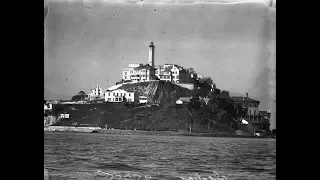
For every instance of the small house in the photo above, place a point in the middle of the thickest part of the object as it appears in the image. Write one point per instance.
(183, 100)
(143, 100)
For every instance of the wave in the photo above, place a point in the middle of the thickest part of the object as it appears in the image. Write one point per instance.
(213, 176)
(118, 166)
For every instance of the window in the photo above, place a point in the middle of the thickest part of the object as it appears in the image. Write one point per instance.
(120, 94)
(124, 94)
(117, 94)
(125, 77)
(129, 94)
(109, 94)
(114, 94)
(125, 73)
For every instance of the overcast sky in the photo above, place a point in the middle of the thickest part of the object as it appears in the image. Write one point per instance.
(89, 43)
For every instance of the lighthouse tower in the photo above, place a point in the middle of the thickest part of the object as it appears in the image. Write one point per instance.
(151, 54)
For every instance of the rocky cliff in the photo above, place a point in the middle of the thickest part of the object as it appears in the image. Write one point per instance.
(158, 91)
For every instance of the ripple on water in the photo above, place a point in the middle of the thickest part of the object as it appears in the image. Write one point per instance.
(75, 156)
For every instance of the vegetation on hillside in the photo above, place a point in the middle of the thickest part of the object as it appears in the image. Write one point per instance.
(220, 110)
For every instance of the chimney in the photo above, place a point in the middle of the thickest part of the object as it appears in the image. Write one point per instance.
(247, 95)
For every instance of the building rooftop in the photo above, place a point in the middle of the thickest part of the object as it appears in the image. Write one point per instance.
(168, 69)
(244, 99)
(146, 66)
(264, 112)
(185, 99)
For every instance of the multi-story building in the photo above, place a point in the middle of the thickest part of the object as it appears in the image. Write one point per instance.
(256, 119)
(120, 95)
(164, 73)
(130, 73)
(138, 72)
(173, 73)
(96, 93)
(143, 73)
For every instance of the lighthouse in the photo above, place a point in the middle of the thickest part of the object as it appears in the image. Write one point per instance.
(151, 54)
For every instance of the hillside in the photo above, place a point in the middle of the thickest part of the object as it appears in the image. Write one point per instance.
(121, 116)
(158, 91)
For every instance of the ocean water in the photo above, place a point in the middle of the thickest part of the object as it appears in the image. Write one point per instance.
(116, 156)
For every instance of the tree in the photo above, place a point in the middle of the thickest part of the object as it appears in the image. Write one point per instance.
(239, 112)
(201, 89)
(81, 93)
(265, 124)
(217, 91)
(78, 97)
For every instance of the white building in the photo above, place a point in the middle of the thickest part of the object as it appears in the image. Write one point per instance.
(143, 100)
(119, 95)
(173, 73)
(129, 73)
(47, 107)
(64, 116)
(139, 73)
(96, 93)
(183, 100)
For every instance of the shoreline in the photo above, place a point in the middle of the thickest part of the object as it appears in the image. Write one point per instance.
(141, 132)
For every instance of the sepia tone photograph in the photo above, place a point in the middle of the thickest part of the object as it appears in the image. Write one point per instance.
(160, 89)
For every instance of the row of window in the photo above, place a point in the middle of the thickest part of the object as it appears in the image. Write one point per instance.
(131, 72)
(253, 105)
(165, 77)
(117, 94)
(254, 119)
(118, 99)
(255, 112)
(250, 105)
